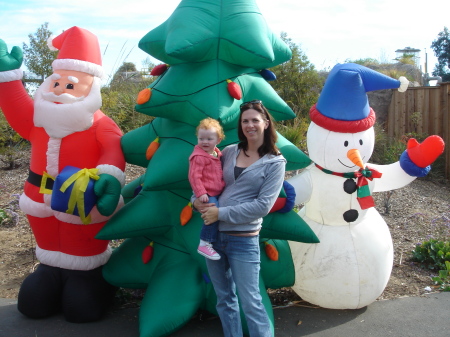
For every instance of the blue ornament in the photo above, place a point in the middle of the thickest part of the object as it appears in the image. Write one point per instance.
(268, 75)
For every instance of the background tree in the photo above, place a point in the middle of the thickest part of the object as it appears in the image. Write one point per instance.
(127, 67)
(119, 98)
(147, 65)
(441, 48)
(11, 145)
(299, 84)
(38, 57)
(366, 62)
(127, 72)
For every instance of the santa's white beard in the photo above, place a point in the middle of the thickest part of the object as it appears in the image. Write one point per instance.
(60, 120)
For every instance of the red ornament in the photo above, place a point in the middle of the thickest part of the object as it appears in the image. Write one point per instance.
(147, 253)
(271, 251)
(234, 90)
(186, 214)
(152, 148)
(159, 69)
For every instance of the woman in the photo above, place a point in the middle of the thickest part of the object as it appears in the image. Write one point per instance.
(253, 173)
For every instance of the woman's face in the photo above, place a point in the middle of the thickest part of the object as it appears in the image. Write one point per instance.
(253, 125)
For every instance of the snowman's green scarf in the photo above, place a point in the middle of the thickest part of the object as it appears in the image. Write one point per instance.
(363, 191)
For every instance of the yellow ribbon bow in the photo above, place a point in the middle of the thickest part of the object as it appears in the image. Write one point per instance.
(80, 180)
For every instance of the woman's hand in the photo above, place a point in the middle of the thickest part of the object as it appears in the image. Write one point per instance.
(210, 215)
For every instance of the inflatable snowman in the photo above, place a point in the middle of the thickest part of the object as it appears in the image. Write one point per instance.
(351, 265)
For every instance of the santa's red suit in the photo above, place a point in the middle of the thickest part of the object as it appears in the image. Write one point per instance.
(62, 240)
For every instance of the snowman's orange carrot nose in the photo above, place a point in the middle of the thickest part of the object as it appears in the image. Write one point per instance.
(355, 157)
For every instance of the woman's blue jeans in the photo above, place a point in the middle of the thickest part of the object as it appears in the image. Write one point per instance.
(208, 233)
(238, 269)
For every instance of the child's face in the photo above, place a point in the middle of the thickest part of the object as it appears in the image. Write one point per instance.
(208, 139)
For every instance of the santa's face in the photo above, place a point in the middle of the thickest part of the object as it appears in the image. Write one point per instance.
(74, 83)
(331, 149)
(66, 102)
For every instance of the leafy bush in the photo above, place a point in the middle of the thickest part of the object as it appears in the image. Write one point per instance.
(8, 137)
(387, 150)
(295, 131)
(10, 143)
(119, 102)
(8, 215)
(4, 216)
(432, 254)
(443, 278)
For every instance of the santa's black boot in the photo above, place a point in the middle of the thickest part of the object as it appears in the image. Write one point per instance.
(40, 293)
(86, 295)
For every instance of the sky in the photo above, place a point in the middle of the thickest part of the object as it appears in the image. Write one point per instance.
(327, 31)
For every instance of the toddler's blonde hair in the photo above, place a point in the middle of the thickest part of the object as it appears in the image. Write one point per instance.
(209, 123)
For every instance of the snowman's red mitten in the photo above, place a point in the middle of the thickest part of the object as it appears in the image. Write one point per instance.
(416, 159)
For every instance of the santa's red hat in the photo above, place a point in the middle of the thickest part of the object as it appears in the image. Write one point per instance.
(79, 50)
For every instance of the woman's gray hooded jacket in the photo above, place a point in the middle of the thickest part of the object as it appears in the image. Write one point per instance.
(250, 197)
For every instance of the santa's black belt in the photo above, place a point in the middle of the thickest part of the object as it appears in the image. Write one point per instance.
(36, 180)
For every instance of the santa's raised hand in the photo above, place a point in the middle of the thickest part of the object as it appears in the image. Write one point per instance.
(10, 61)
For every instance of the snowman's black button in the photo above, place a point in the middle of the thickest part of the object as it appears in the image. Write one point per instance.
(350, 186)
(351, 215)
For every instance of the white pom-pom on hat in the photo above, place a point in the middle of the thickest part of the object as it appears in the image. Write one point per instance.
(403, 84)
(50, 44)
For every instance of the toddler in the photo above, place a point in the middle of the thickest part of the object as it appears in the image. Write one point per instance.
(206, 178)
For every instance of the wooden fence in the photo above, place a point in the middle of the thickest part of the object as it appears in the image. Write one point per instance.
(422, 110)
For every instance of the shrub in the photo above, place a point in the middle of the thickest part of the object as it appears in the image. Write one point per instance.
(119, 102)
(4, 216)
(443, 278)
(8, 137)
(10, 143)
(295, 131)
(432, 254)
(8, 215)
(387, 150)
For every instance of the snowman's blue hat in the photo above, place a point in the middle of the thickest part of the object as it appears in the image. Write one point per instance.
(343, 105)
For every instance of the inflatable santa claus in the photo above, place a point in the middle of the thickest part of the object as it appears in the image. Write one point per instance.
(76, 174)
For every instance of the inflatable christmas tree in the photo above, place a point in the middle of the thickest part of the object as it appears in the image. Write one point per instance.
(216, 55)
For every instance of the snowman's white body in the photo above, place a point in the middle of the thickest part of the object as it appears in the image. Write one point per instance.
(351, 265)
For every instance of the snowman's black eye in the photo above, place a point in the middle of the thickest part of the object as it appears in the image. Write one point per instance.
(360, 142)
(346, 143)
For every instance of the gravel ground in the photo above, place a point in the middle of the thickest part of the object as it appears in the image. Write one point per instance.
(414, 213)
